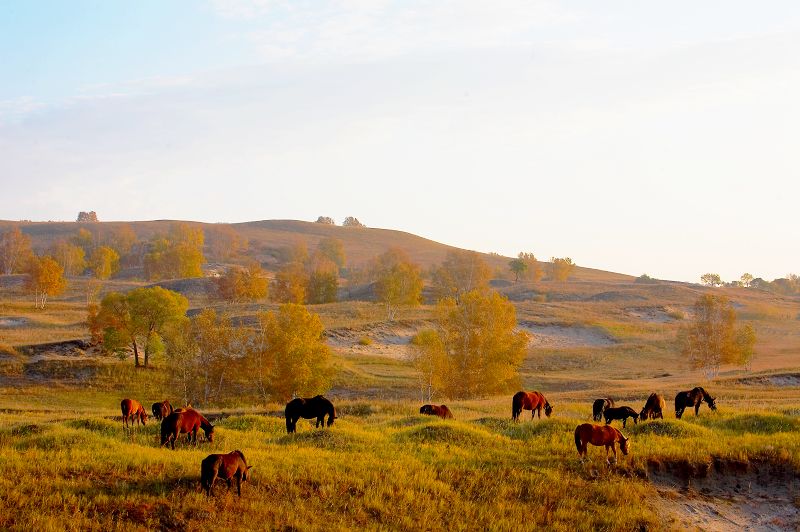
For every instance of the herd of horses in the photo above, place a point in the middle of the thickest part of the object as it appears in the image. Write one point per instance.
(233, 466)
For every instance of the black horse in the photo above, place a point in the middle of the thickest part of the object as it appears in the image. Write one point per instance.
(693, 398)
(620, 412)
(599, 405)
(315, 407)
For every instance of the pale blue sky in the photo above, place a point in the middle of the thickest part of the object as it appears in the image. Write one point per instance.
(632, 136)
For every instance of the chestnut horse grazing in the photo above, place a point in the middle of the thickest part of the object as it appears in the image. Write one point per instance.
(432, 410)
(309, 408)
(599, 405)
(185, 421)
(132, 410)
(653, 408)
(600, 435)
(224, 466)
(162, 410)
(693, 398)
(620, 412)
(533, 401)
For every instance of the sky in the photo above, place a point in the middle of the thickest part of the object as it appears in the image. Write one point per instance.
(637, 137)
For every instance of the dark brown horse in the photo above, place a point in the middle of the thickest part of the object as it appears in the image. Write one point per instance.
(162, 410)
(432, 410)
(185, 421)
(600, 435)
(599, 405)
(693, 398)
(533, 401)
(309, 408)
(132, 410)
(224, 466)
(653, 408)
(620, 412)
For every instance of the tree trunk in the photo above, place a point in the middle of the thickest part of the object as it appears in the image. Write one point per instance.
(135, 352)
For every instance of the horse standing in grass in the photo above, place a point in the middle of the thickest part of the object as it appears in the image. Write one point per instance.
(224, 466)
(432, 410)
(533, 401)
(693, 398)
(653, 408)
(600, 435)
(162, 410)
(185, 421)
(599, 406)
(620, 412)
(132, 410)
(308, 408)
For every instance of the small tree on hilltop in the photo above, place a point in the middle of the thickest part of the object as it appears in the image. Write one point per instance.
(327, 220)
(711, 279)
(90, 216)
(712, 337)
(519, 267)
(351, 221)
(746, 279)
(561, 268)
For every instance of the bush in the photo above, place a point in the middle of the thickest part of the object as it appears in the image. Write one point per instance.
(365, 340)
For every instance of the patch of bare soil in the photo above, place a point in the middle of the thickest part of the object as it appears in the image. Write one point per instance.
(649, 314)
(777, 379)
(727, 495)
(565, 336)
(387, 339)
(11, 322)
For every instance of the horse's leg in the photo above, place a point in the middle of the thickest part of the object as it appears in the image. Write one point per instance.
(239, 484)
(697, 409)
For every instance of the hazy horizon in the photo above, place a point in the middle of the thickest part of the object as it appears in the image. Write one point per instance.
(634, 138)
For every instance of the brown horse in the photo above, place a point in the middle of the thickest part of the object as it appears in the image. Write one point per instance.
(185, 421)
(224, 466)
(620, 412)
(533, 401)
(600, 435)
(132, 410)
(162, 410)
(653, 408)
(308, 408)
(693, 398)
(599, 405)
(433, 410)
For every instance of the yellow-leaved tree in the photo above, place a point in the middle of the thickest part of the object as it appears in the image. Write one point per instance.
(240, 284)
(561, 268)
(45, 279)
(178, 254)
(397, 281)
(475, 349)
(461, 272)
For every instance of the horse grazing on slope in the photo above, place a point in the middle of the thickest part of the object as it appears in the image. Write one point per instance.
(600, 435)
(132, 410)
(308, 408)
(533, 401)
(620, 412)
(433, 410)
(185, 421)
(695, 398)
(224, 466)
(162, 410)
(599, 405)
(653, 408)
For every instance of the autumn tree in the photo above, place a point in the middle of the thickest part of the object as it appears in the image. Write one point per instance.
(177, 255)
(290, 284)
(138, 319)
(104, 262)
(711, 279)
(475, 349)
(327, 220)
(461, 272)
(15, 251)
(333, 249)
(224, 242)
(746, 279)
(351, 221)
(85, 239)
(288, 356)
(70, 257)
(534, 270)
(45, 279)
(239, 284)
(323, 280)
(397, 281)
(713, 338)
(561, 268)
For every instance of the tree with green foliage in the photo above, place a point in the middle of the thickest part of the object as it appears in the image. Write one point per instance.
(475, 349)
(45, 279)
(518, 267)
(711, 279)
(712, 338)
(288, 356)
(397, 281)
(176, 255)
(461, 272)
(561, 268)
(746, 280)
(104, 262)
(138, 319)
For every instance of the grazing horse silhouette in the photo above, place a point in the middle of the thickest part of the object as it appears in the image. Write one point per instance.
(308, 408)
(599, 405)
(653, 408)
(132, 410)
(224, 466)
(600, 435)
(162, 410)
(433, 410)
(620, 412)
(185, 421)
(695, 398)
(533, 401)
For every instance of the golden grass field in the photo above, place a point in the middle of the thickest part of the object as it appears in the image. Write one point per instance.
(67, 463)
